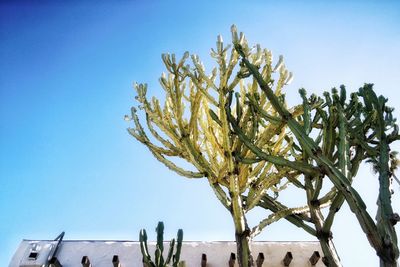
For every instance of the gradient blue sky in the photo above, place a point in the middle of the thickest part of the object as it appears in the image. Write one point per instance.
(66, 160)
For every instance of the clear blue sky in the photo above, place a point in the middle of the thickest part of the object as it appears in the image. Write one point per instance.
(66, 160)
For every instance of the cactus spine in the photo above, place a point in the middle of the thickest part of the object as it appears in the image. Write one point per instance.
(172, 259)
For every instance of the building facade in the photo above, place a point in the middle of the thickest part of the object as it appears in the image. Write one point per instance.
(70, 253)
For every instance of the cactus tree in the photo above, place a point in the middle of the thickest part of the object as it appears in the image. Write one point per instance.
(192, 125)
(365, 128)
(336, 126)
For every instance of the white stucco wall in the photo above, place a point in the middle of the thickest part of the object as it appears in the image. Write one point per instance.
(100, 253)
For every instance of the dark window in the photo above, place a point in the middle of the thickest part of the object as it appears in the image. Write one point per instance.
(33, 255)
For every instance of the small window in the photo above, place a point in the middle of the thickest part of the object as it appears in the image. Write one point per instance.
(33, 255)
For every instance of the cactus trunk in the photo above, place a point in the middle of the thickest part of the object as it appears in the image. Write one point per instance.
(331, 258)
(243, 249)
(242, 234)
(384, 263)
(389, 252)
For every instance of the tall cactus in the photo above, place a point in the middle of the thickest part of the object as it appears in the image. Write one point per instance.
(380, 155)
(366, 132)
(172, 259)
(193, 125)
(333, 124)
(313, 181)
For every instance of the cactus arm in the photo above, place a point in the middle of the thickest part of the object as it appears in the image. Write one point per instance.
(268, 201)
(255, 183)
(195, 109)
(209, 97)
(275, 217)
(306, 112)
(344, 162)
(339, 198)
(343, 147)
(263, 85)
(166, 143)
(220, 55)
(139, 133)
(226, 140)
(245, 121)
(163, 118)
(317, 187)
(158, 258)
(296, 219)
(172, 166)
(141, 136)
(233, 60)
(170, 251)
(305, 168)
(177, 255)
(215, 117)
(144, 248)
(209, 128)
(261, 111)
(174, 94)
(144, 140)
(221, 195)
(295, 181)
(329, 135)
(333, 209)
(195, 157)
(160, 241)
(262, 185)
(200, 70)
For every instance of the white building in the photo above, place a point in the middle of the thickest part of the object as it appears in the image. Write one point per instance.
(71, 253)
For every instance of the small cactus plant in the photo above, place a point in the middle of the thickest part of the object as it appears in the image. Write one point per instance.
(159, 261)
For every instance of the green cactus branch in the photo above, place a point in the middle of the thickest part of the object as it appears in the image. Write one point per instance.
(304, 168)
(283, 213)
(299, 219)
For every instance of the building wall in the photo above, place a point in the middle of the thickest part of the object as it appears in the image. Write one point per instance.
(100, 253)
